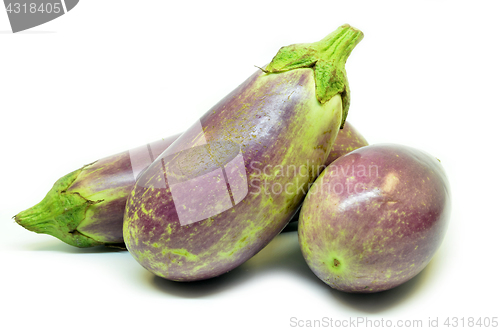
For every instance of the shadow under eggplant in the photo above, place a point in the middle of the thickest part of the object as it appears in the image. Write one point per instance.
(283, 254)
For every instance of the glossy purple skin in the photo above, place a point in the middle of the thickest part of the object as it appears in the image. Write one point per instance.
(264, 120)
(376, 227)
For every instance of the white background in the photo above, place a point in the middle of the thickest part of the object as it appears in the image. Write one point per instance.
(112, 75)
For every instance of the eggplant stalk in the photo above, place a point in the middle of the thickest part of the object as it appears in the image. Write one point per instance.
(327, 58)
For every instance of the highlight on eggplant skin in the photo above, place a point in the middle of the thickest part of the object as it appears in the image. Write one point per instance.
(217, 196)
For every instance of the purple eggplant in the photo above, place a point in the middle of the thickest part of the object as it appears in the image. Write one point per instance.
(229, 184)
(85, 207)
(375, 217)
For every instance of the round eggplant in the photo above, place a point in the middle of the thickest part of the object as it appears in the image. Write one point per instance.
(375, 217)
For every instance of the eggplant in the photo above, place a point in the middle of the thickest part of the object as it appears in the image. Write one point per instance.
(229, 184)
(85, 207)
(375, 217)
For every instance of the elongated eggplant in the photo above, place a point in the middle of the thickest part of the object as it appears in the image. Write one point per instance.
(101, 190)
(231, 182)
(85, 207)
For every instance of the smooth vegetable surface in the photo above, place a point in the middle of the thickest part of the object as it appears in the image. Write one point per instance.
(231, 183)
(375, 217)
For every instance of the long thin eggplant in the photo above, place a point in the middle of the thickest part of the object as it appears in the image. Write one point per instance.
(229, 184)
(85, 207)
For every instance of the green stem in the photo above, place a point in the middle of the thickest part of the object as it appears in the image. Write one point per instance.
(59, 214)
(327, 58)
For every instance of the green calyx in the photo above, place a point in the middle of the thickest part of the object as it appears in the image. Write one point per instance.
(327, 58)
(59, 214)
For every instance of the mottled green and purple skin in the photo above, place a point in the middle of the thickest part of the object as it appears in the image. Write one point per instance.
(85, 207)
(194, 213)
(375, 217)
